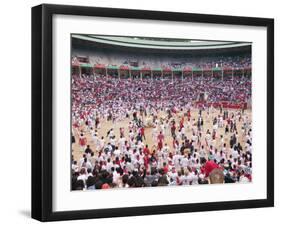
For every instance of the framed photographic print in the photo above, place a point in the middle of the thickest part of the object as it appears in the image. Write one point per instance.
(146, 112)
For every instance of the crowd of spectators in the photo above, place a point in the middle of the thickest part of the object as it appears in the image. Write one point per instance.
(207, 156)
(241, 61)
(122, 95)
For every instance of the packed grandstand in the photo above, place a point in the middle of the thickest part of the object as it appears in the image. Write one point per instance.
(144, 117)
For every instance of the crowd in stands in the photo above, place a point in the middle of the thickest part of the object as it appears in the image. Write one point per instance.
(120, 95)
(241, 61)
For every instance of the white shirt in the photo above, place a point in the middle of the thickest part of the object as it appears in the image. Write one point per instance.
(194, 179)
(117, 152)
(184, 162)
(75, 168)
(82, 177)
(116, 177)
(187, 179)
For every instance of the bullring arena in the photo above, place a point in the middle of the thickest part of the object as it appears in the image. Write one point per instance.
(158, 118)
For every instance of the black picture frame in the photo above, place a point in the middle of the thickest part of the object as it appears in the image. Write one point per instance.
(42, 108)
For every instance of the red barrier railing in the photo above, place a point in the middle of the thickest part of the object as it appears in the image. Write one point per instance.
(223, 104)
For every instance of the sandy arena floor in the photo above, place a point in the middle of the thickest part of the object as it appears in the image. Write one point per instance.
(106, 125)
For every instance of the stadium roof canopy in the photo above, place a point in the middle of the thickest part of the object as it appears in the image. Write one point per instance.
(160, 43)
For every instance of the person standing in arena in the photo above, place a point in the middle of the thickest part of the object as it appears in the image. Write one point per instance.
(160, 139)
